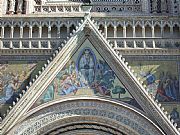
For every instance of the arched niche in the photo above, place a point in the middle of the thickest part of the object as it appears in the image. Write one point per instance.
(63, 31)
(101, 27)
(72, 27)
(119, 31)
(26, 31)
(176, 31)
(166, 31)
(44, 31)
(129, 31)
(138, 31)
(157, 31)
(7, 32)
(110, 31)
(148, 31)
(35, 31)
(16, 32)
(54, 31)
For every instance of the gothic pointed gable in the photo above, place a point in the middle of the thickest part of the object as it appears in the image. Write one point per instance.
(87, 32)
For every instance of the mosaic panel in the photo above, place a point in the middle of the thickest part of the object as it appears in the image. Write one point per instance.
(87, 73)
(161, 78)
(14, 77)
(173, 109)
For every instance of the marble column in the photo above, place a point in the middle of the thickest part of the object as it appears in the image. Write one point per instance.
(40, 35)
(124, 35)
(58, 31)
(134, 31)
(105, 31)
(21, 31)
(152, 27)
(115, 31)
(49, 36)
(30, 31)
(2, 32)
(144, 35)
(2, 36)
(30, 35)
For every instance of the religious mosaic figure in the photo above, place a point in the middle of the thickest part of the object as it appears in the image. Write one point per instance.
(175, 115)
(49, 95)
(68, 84)
(167, 89)
(85, 74)
(87, 66)
(9, 89)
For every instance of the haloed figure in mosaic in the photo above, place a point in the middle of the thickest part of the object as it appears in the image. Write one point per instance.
(87, 65)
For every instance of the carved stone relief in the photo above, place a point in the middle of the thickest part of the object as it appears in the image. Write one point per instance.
(76, 114)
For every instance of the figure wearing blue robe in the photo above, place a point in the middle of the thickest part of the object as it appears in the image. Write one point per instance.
(86, 65)
(8, 93)
(49, 95)
(69, 90)
(150, 78)
(169, 89)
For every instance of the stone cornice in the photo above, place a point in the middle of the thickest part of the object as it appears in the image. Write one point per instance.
(25, 52)
(149, 51)
(125, 51)
(93, 14)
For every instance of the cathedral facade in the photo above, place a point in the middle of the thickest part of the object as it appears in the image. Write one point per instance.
(96, 67)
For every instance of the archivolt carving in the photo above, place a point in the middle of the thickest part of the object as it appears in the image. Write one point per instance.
(105, 115)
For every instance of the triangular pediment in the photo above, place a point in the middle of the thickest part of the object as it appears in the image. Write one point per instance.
(87, 39)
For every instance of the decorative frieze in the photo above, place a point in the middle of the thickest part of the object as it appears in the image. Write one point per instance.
(115, 116)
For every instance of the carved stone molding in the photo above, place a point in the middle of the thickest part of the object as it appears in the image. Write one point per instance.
(66, 115)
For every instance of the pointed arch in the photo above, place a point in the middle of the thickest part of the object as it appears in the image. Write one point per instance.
(16, 33)
(129, 31)
(54, 31)
(120, 30)
(157, 30)
(166, 31)
(148, 31)
(138, 30)
(63, 31)
(110, 30)
(26, 31)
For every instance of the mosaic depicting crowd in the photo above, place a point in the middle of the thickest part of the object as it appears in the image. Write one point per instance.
(11, 83)
(165, 88)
